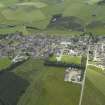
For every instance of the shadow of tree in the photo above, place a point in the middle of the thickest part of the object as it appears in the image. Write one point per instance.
(11, 88)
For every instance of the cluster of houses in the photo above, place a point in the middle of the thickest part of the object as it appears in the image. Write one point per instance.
(70, 49)
(97, 54)
(35, 46)
(40, 45)
(72, 75)
(20, 58)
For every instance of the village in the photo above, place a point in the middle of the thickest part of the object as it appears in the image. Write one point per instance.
(18, 48)
(36, 46)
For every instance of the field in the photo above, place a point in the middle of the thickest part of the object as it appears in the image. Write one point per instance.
(4, 63)
(71, 59)
(39, 14)
(67, 59)
(94, 93)
(32, 83)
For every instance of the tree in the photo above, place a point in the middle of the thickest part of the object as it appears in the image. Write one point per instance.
(83, 64)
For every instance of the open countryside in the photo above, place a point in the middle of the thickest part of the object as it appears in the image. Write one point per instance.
(52, 52)
(69, 15)
(94, 85)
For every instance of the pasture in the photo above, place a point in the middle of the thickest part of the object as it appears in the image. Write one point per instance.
(94, 92)
(4, 63)
(71, 59)
(32, 83)
(39, 13)
(67, 59)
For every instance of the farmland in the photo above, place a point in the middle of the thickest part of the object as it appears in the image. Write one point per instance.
(94, 92)
(40, 84)
(71, 59)
(67, 59)
(40, 80)
(4, 62)
(39, 14)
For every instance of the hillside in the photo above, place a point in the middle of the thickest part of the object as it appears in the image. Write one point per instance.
(66, 15)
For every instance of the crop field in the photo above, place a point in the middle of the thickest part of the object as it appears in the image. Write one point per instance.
(23, 15)
(32, 83)
(94, 93)
(39, 14)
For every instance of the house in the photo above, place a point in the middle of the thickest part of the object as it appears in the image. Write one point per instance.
(20, 58)
(72, 75)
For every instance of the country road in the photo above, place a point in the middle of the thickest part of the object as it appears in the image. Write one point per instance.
(83, 83)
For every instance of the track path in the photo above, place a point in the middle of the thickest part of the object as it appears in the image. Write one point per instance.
(83, 83)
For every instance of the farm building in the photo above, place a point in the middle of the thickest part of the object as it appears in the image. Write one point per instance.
(72, 75)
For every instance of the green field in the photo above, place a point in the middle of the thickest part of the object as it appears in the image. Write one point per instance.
(4, 63)
(38, 14)
(71, 59)
(94, 93)
(32, 83)
(67, 59)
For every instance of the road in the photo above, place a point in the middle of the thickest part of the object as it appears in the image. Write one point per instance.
(83, 83)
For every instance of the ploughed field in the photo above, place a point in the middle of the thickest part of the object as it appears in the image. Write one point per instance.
(66, 15)
(32, 83)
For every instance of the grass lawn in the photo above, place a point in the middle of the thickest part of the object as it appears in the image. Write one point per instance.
(71, 59)
(68, 59)
(4, 62)
(46, 86)
(94, 93)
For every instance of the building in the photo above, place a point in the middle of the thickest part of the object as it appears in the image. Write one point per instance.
(72, 75)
